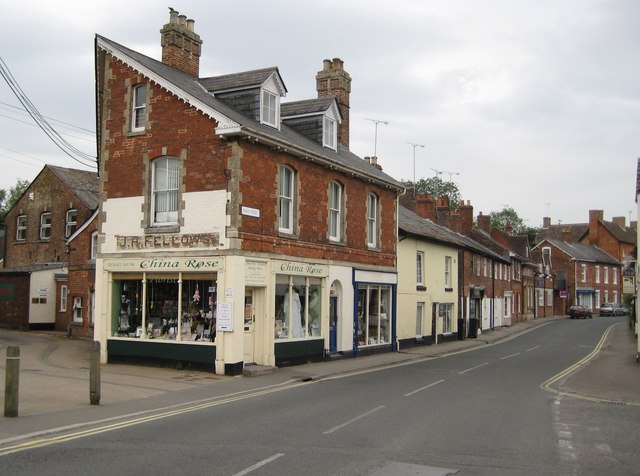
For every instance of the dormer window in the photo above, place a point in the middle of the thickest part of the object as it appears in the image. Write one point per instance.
(269, 108)
(329, 133)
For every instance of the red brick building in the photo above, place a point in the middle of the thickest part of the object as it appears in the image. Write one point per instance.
(52, 209)
(234, 229)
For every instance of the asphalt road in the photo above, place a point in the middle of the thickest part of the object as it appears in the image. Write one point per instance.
(483, 412)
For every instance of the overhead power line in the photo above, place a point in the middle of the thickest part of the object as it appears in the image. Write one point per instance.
(69, 149)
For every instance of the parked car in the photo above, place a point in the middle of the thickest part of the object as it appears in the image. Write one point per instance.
(612, 309)
(579, 312)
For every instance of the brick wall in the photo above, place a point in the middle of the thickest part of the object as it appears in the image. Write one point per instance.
(46, 194)
(14, 307)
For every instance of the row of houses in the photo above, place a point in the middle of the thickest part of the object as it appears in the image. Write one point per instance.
(226, 227)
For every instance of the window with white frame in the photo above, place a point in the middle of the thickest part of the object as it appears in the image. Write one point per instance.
(583, 273)
(269, 108)
(335, 211)
(447, 272)
(615, 296)
(286, 189)
(445, 312)
(486, 263)
(64, 295)
(138, 108)
(549, 297)
(329, 138)
(606, 275)
(419, 268)
(71, 222)
(94, 245)
(372, 221)
(598, 302)
(21, 228)
(597, 271)
(615, 275)
(77, 309)
(546, 256)
(45, 226)
(540, 297)
(606, 295)
(478, 259)
(165, 184)
(419, 319)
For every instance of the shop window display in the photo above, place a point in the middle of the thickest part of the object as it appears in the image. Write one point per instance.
(175, 308)
(374, 325)
(298, 307)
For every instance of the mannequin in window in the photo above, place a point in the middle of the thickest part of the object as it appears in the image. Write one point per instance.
(294, 319)
(314, 312)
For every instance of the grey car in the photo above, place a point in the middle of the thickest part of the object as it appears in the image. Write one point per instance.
(611, 309)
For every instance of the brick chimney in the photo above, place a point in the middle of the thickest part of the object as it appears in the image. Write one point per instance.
(181, 46)
(484, 222)
(443, 212)
(546, 222)
(466, 217)
(334, 81)
(425, 207)
(621, 221)
(594, 217)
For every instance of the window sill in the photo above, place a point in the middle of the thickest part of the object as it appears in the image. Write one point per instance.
(137, 133)
(448, 290)
(162, 229)
(421, 288)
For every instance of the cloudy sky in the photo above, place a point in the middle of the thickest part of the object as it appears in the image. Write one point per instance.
(533, 105)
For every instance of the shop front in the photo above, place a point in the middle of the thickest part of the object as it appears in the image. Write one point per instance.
(374, 312)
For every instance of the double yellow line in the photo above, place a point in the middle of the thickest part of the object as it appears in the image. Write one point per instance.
(42, 442)
(547, 384)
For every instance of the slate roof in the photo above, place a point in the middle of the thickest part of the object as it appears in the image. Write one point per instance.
(575, 232)
(623, 234)
(306, 106)
(232, 122)
(581, 252)
(30, 268)
(414, 225)
(86, 185)
(243, 80)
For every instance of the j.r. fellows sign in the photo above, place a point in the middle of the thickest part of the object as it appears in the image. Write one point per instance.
(187, 240)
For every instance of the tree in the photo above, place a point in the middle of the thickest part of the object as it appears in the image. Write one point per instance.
(8, 198)
(508, 216)
(436, 187)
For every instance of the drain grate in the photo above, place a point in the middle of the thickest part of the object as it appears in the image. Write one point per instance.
(608, 402)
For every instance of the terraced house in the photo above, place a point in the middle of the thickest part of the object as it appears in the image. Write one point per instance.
(234, 228)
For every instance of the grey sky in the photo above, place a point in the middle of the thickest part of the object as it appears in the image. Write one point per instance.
(535, 104)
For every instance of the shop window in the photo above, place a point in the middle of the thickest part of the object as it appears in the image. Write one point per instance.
(176, 308)
(165, 186)
(374, 320)
(298, 307)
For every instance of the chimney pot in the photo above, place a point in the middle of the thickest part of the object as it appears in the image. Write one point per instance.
(190, 23)
(182, 20)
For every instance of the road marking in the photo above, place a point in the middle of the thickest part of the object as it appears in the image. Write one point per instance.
(569, 370)
(42, 442)
(533, 348)
(423, 388)
(473, 368)
(335, 428)
(509, 356)
(259, 464)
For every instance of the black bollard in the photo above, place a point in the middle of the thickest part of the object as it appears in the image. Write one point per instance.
(12, 382)
(94, 374)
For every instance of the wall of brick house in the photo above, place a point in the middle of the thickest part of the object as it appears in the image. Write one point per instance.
(48, 194)
(81, 282)
(179, 130)
(14, 307)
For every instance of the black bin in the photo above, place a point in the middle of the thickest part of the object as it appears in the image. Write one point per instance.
(473, 327)
(461, 329)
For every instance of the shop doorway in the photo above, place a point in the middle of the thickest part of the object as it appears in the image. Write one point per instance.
(249, 327)
(333, 324)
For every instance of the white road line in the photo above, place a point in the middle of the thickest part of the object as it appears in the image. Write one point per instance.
(352, 420)
(423, 388)
(532, 348)
(259, 464)
(473, 368)
(509, 356)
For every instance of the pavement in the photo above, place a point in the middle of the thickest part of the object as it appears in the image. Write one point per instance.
(54, 389)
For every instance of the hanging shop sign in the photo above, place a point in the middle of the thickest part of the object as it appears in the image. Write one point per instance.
(187, 240)
(165, 264)
(628, 285)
